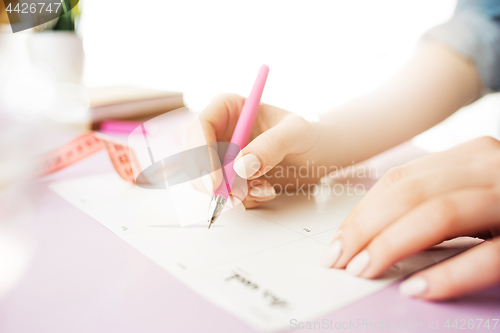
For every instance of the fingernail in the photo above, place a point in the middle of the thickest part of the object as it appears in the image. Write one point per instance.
(413, 286)
(358, 264)
(263, 191)
(208, 182)
(331, 254)
(247, 166)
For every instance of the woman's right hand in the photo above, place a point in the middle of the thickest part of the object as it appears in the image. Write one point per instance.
(280, 144)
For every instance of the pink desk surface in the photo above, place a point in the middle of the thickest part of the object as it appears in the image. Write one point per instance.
(83, 278)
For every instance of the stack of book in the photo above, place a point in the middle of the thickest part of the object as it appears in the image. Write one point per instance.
(130, 103)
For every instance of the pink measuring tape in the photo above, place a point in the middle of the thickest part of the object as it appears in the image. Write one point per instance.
(122, 157)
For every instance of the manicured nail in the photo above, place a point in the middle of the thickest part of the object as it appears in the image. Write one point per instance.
(263, 191)
(358, 264)
(413, 286)
(331, 254)
(208, 182)
(247, 166)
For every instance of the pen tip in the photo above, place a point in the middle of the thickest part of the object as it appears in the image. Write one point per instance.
(209, 224)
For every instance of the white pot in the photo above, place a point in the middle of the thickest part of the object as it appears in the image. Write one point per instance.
(62, 52)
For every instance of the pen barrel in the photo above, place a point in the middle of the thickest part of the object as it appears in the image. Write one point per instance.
(248, 113)
(227, 183)
(242, 132)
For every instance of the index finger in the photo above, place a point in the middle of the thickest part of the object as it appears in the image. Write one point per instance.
(217, 121)
(213, 125)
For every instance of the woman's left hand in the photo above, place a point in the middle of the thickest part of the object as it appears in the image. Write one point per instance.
(418, 205)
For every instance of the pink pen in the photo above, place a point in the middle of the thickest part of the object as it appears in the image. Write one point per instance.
(239, 140)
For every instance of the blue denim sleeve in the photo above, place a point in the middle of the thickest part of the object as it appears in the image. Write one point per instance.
(474, 32)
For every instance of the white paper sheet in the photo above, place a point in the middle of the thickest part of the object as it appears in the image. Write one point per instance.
(261, 265)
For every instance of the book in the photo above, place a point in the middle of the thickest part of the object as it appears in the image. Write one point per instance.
(129, 102)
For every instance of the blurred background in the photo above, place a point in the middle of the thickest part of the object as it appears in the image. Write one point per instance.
(321, 53)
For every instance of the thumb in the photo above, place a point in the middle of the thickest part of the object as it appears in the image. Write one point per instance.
(293, 135)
